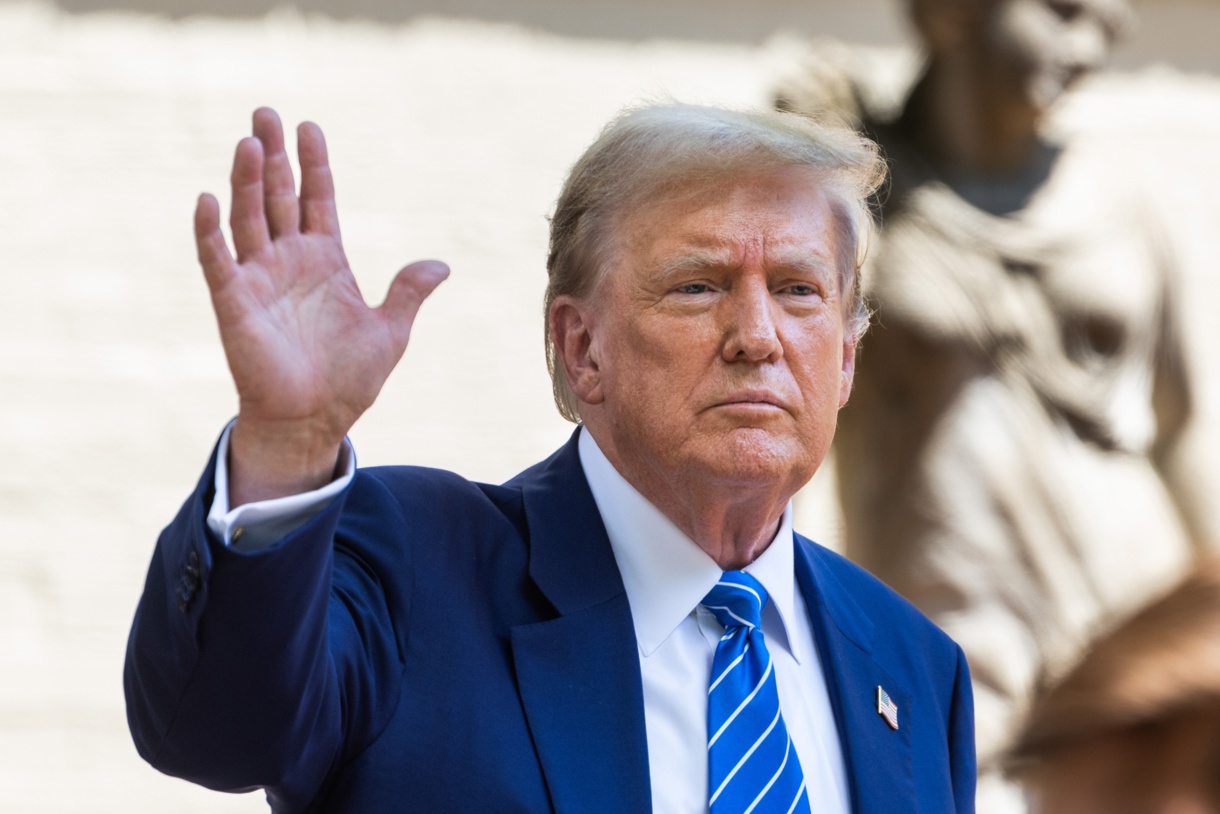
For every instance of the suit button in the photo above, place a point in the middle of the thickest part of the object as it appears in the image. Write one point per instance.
(190, 572)
(188, 581)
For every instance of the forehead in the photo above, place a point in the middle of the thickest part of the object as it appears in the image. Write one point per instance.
(785, 209)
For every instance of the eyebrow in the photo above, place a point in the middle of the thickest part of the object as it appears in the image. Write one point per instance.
(703, 259)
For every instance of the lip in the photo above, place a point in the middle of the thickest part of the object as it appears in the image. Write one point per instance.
(752, 398)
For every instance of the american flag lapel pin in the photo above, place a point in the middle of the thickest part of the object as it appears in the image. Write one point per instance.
(886, 708)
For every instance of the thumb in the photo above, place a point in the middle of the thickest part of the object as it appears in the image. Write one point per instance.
(411, 286)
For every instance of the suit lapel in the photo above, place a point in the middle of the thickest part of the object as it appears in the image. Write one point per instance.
(579, 678)
(877, 758)
(578, 674)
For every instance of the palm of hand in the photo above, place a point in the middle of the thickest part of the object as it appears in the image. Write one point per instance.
(300, 340)
(307, 354)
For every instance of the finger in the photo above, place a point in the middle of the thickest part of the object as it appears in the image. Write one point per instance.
(279, 189)
(210, 244)
(410, 288)
(248, 219)
(318, 213)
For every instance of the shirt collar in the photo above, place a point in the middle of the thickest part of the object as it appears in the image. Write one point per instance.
(665, 573)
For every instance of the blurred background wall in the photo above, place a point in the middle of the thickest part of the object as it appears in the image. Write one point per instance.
(450, 125)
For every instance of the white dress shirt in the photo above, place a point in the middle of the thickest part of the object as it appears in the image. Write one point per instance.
(666, 576)
(263, 523)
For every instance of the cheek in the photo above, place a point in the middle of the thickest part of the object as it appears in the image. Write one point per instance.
(676, 348)
(650, 366)
(816, 358)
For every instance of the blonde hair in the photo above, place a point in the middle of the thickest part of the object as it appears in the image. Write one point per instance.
(652, 151)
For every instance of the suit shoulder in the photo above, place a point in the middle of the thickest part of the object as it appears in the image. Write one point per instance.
(849, 573)
(424, 485)
(886, 608)
(437, 500)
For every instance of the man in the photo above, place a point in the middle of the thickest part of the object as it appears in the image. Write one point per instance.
(400, 637)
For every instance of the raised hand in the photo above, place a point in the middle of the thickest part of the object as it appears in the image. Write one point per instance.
(307, 354)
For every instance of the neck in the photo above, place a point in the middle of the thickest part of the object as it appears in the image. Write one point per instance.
(733, 534)
(965, 125)
(733, 522)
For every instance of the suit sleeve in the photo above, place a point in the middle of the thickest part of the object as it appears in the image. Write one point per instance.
(260, 669)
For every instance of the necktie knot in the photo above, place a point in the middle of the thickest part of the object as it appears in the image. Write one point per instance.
(737, 600)
(752, 767)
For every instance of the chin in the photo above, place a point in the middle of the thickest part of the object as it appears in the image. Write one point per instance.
(752, 456)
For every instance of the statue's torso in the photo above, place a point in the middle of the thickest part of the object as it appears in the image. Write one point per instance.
(995, 458)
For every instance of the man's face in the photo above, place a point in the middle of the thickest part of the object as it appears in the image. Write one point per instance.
(1039, 48)
(717, 336)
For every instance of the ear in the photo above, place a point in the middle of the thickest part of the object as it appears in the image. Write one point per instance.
(572, 329)
(847, 370)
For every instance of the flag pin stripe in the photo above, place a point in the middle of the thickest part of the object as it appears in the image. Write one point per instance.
(886, 708)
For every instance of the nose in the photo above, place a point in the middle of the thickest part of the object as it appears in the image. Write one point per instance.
(751, 330)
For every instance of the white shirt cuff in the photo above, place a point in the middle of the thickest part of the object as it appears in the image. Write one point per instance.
(262, 524)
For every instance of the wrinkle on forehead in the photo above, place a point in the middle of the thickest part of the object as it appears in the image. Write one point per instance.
(724, 223)
(732, 256)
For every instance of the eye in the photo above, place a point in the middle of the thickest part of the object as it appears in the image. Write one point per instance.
(693, 288)
(801, 290)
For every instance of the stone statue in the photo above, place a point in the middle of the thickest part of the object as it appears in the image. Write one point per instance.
(1009, 457)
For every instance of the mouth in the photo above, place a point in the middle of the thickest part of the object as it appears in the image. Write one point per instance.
(761, 400)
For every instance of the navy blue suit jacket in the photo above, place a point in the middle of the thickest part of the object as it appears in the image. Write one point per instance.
(431, 644)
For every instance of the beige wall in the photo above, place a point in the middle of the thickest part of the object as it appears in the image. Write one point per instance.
(1179, 32)
(728, 21)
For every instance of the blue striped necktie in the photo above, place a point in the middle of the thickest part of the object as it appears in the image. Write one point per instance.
(752, 765)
